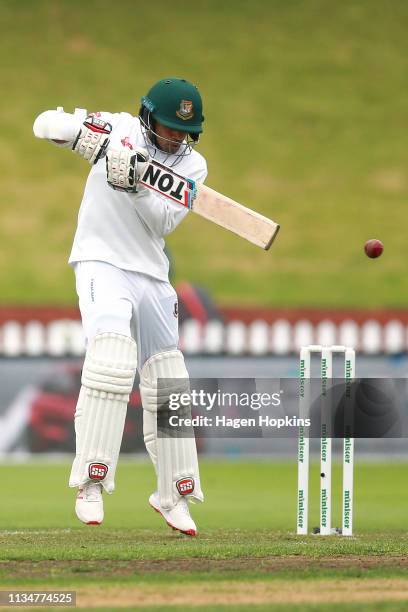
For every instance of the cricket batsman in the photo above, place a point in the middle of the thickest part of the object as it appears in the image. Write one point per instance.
(128, 307)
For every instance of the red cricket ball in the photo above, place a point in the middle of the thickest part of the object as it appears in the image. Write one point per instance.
(373, 248)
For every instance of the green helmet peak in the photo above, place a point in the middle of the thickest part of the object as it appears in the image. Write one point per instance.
(175, 103)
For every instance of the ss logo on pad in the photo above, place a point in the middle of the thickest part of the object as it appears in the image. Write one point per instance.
(97, 471)
(185, 486)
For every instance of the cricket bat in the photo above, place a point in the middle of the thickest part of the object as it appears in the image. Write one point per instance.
(211, 205)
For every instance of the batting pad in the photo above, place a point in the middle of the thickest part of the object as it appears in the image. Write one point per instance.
(107, 380)
(174, 456)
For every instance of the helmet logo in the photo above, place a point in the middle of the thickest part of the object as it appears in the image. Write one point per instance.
(186, 110)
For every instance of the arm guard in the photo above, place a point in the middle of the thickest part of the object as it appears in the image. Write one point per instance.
(59, 127)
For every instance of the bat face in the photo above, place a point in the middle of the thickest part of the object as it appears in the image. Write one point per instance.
(211, 205)
(170, 184)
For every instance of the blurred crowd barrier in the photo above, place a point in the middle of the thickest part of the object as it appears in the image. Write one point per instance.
(38, 398)
(206, 330)
(42, 349)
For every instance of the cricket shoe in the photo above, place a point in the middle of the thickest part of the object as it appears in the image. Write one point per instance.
(177, 517)
(89, 503)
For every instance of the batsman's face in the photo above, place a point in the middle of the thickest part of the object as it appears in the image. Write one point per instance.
(168, 140)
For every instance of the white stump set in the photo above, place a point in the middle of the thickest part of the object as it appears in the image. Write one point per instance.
(326, 378)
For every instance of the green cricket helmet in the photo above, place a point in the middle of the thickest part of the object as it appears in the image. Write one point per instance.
(176, 104)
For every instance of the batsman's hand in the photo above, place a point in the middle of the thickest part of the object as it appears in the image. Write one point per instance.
(125, 167)
(92, 139)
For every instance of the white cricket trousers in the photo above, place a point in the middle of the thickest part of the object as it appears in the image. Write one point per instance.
(128, 303)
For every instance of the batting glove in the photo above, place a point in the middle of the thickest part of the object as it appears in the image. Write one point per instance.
(92, 139)
(125, 167)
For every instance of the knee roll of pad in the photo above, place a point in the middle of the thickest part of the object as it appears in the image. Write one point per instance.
(110, 364)
(170, 368)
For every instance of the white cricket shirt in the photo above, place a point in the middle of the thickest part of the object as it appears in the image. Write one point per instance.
(124, 229)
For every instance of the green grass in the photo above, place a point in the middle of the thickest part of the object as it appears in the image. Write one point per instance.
(379, 607)
(252, 496)
(305, 105)
(382, 606)
(249, 511)
(246, 535)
